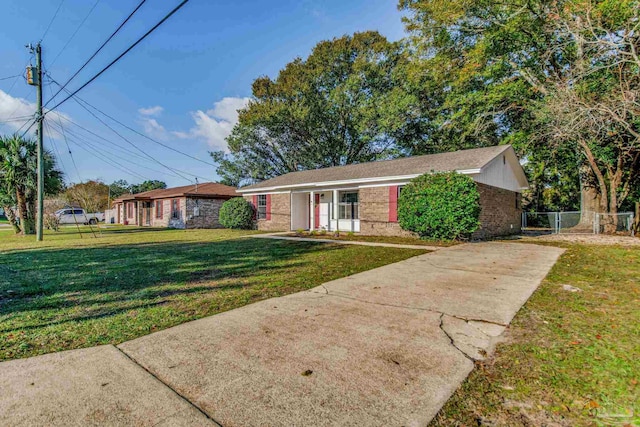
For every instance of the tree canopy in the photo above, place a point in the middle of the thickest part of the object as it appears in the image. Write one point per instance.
(120, 187)
(18, 180)
(558, 80)
(345, 103)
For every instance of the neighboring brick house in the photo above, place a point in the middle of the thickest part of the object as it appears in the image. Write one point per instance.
(191, 206)
(363, 197)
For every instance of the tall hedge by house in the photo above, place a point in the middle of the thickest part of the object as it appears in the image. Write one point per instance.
(237, 213)
(440, 206)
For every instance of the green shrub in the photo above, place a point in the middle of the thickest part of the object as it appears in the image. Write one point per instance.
(237, 213)
(440, 206)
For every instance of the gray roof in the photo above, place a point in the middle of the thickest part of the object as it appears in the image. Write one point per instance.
(474, 158)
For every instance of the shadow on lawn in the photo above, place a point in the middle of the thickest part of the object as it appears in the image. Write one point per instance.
(109, 280)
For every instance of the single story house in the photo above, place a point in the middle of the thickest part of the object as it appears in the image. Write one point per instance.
(191, 206)
(363, 197)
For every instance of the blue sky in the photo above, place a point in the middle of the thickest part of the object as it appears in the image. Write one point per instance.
(182, 85)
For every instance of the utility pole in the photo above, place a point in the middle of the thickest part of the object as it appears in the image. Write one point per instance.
(39, 119)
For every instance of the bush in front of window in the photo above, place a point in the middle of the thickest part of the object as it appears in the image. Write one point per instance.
(440, 206)
(237, 213)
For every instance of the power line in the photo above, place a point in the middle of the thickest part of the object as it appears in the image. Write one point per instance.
(11, 77)
(75, 32)
(52, 19)
(122, 54)
(55, 147)
(97, 146)
(98, 50)
(77, 98)
(64, 135)
(176, 171)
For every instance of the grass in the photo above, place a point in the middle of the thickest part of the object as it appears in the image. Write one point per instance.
(570, 358)
(376, 239)
(70, 292)
(4, 221)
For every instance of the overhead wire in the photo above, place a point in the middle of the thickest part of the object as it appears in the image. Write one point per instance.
(105, 151)
(75, 32)
(10, 77)
(64, 135)
(176, 171)
(122, 24)
(121, 55)
(51, 21)
(78, 99)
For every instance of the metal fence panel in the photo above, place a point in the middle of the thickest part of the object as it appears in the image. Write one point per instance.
(540, 222)
(621, 223)
(575, 222)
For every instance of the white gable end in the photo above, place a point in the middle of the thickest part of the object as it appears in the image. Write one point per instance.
(503, 172)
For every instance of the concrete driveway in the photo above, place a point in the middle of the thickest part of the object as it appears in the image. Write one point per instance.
(383, 347)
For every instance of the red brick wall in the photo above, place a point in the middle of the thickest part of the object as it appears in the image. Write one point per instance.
(499, 215)
(501, 212)
(280, 213)
(374, 213)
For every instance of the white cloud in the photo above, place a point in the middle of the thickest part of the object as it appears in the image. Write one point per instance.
(15, 112)
(154, 129)
(151, 111)
(215, 125)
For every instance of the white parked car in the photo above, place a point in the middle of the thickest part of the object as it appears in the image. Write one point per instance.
(78, 216)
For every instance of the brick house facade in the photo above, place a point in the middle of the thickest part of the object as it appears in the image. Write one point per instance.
(181, 207)
(363, 198)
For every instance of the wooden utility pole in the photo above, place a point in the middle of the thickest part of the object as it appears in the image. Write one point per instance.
(40, 119)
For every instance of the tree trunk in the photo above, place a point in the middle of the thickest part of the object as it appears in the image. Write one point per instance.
(11, 217)
(26, 223)
(590, 202)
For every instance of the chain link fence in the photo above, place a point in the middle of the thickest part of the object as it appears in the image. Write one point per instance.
(620, 223)
(577, 222)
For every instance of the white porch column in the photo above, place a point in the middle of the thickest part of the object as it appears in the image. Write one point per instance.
(312, 210)
(335, 204)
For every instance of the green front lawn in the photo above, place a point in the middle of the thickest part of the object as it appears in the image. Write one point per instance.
(571, 358)
(71, 292)
(355, 237)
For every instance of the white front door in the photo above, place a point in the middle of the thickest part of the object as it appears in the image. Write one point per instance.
(324, 216)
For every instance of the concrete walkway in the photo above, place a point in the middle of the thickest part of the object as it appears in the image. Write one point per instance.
(380, 348)
(285, 236)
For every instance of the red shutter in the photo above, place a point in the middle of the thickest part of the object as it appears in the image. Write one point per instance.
(255, 202)
(393, 203)
(268, 207)
(316, 210)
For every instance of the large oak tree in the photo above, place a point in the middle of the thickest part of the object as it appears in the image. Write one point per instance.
(346, 103)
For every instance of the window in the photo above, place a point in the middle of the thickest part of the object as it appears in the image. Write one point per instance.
(348, 205)
(400, 187)
(262, 206)
(129, 210)
(175, 208)
(159, 209)
(78, 212)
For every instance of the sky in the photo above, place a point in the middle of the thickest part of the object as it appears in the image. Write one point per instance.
(181, 86)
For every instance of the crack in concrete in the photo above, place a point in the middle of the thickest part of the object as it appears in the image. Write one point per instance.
(466, 319)
(441, 323)
(176, 392)
(452, 341)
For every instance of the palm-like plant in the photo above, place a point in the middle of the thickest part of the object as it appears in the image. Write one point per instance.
(18, 179)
